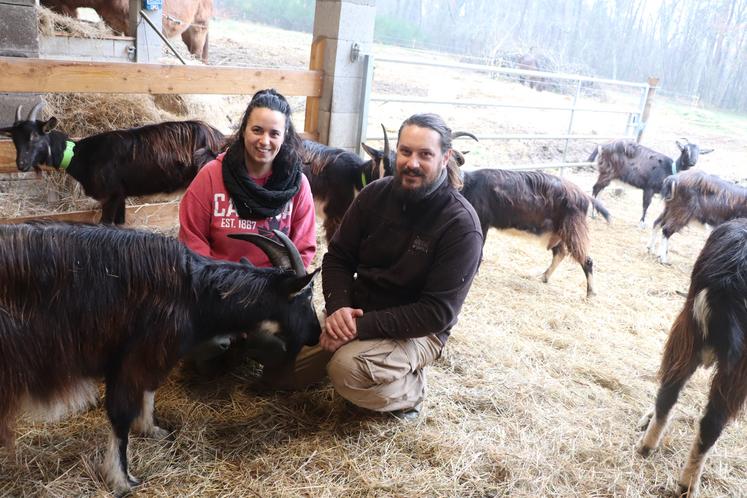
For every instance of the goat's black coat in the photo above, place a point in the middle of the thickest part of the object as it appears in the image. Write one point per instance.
(336, 175)
(537, 203)
(113, 165)
(84, 301)
(712, 326)
(640, 166)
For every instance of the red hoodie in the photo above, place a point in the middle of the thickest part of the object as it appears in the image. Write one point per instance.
(207, 215)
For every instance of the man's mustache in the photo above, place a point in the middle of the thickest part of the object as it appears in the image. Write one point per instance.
(412, 171)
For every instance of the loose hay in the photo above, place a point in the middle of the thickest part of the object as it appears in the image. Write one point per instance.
(50, 23)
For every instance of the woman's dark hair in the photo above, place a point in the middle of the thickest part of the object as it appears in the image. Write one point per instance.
(289, 153)
(437, 124)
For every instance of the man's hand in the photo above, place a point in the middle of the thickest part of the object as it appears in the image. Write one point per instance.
(330, 344)
(340, 325)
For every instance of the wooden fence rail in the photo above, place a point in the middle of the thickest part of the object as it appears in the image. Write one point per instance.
(34, 76)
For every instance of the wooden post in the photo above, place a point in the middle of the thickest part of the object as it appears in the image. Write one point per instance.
(134, 13)
(316, 63)
(653, 84)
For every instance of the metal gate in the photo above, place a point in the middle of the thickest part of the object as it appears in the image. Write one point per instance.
(631, 112)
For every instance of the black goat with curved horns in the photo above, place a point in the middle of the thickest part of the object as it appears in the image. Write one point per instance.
(640, 166)
(710, 329)
(113, 165)
(336, 176)
(82, 302)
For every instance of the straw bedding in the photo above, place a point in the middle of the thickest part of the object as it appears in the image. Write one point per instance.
(538, 394)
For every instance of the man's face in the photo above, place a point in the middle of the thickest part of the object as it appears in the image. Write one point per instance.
(419, 161)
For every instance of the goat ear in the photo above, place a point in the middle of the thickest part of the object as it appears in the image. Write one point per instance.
(373, 153)
(293, 286)
(49, 125)
(706, 151)
(8, 132)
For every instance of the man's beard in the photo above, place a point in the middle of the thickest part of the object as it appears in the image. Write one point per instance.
(409, 196)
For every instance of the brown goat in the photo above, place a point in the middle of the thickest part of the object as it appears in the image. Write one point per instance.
(695, 195)
(188, 18)
(711, 328)
(537, 203)
(640, 166)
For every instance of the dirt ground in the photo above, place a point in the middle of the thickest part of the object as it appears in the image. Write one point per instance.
(538, 392)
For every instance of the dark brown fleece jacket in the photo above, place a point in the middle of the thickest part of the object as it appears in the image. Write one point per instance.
(408, 266)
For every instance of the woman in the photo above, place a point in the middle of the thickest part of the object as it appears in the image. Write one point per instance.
(254, 187)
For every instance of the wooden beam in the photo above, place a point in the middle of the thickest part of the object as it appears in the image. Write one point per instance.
(43, 76)
(7, 157)
(316, 63)
(164, 215)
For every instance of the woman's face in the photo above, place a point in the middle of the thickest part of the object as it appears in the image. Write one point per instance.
(263, 136)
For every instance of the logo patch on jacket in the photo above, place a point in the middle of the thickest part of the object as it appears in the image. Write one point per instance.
(420, 245)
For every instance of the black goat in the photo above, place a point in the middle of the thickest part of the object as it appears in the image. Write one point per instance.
(695, 195)
(640, 166)
(537, 203)
(81, 302)
(116, 164)
(711, 328)
(336, 176)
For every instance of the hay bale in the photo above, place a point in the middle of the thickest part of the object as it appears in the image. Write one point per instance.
(51, 23)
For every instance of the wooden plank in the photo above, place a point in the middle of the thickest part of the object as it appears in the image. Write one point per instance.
(164, 215)
(316, 63)
(7, 157)
(43, 76)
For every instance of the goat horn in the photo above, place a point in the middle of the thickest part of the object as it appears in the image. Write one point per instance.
(458, 134)
(35, 111)
(293, 254)
(281, 254)
(18, 113)
(386, 141)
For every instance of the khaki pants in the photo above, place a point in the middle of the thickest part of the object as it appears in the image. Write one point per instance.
(383, 374)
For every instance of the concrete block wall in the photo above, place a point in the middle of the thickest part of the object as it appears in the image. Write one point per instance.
(18, 38)
(342, 23)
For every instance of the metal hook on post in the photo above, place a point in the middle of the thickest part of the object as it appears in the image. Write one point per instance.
(355, 52)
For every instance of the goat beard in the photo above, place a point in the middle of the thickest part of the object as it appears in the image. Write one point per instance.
(410, 196)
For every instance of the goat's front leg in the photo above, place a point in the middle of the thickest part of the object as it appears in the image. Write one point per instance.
(113, 209)
(121, 407)
(654, 240)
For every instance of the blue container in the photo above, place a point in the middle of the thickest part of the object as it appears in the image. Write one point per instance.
(152, 4)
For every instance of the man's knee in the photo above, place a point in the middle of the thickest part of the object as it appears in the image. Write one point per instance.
(344, 367)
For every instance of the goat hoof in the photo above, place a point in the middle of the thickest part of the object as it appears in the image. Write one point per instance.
(644, 450)
(133, 481)
(644, 421)
(685, 491)
(158, 433)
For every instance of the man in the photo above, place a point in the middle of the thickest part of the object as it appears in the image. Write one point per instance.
(397, 272)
